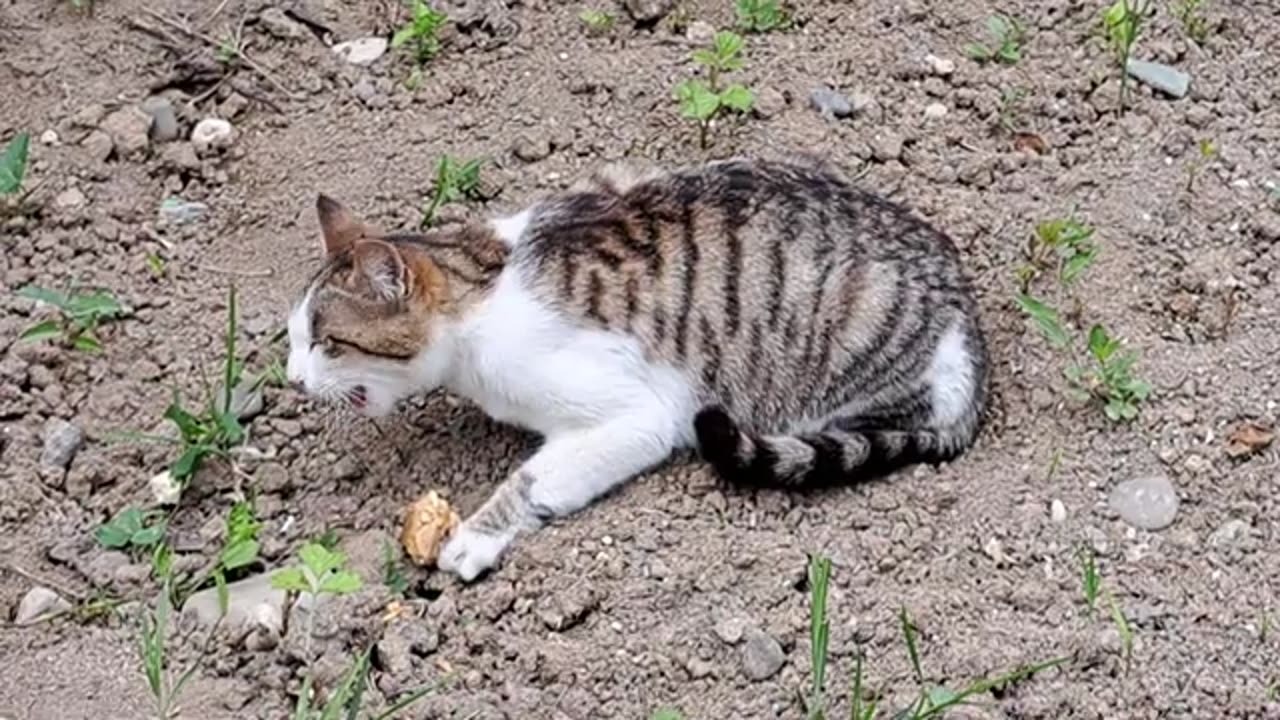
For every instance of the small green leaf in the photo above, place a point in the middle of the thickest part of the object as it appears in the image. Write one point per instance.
(1046, 318)
(320, 559)
(402, 36)
(727, 44)
(224, 595)
(162, 561)
(13, 163)
(239, 554)
(148, 536)
(44, 295)
(340, 582)
(42, 331)
(290, 579)
(705, 58)
(697, 102)
(188, 462)
(87, 343)
(978, 51)
(737, 98)
(112, 536)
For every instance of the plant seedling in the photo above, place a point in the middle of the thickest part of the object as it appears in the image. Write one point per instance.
(819, 631)
(1064, 242)
(321, 572)
(1090, 581)
(422, 32)
(1110, 378)
(393, 571)
(1208, 151)
(131, 529)
(761, 16)
(217, 429)
(1007, 35)
(597, 22)
(1010, 109)
(1122, 626)
(347, 699)
(1194, 24)
(455, 181)
(151, 644)
(1121, 24)
(704, 101)
(79, 316)
(13, 163)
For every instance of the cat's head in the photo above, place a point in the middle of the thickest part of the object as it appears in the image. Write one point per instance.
(369, 329)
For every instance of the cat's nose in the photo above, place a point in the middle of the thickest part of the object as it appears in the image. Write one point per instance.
(297, 385)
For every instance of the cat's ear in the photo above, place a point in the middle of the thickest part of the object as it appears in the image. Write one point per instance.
(382, 269)
(339, 228)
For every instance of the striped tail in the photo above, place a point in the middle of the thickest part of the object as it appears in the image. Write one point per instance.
(840, 453)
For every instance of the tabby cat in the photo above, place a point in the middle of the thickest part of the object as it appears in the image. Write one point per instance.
(799, 331)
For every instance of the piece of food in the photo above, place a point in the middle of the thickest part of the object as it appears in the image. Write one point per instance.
(427, 524)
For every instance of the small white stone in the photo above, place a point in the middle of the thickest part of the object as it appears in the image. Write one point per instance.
(1057, 511)
(935, 111)
(700, 32)
(940, 66)
(362, 51)
(38, 603)
(70, 199)
(212, 133)
(165, 489)
(49, 137)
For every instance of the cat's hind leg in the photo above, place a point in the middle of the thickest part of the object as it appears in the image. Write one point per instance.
(568, 472)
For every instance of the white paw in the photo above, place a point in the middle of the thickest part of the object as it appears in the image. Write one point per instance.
(469, 552)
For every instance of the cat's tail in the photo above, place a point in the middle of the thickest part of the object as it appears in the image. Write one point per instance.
(840, 453)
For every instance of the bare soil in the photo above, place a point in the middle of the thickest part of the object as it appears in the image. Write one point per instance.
(625, 608)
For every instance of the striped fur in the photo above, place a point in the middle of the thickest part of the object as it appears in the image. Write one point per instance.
(797, 330)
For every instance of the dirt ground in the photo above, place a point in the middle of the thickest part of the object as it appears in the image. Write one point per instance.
(671, 592)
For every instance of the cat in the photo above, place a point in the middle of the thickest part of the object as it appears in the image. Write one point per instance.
(798, 331)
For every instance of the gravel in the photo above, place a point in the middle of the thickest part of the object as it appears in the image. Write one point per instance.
(62, 440)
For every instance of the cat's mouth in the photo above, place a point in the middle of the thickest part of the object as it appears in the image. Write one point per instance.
(358, 396)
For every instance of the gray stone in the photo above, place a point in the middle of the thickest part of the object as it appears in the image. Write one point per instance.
(62, 441)
(368, 94)
(886, 147)
(180, 157)
(70, 199)
(700, 32)
(130, 130)
(280, 25)
(246, 400)
(644, 11)
(1230, 534)
(176, 211)
(251, 602)
(363, 51)
(164, 120)
(762, 655)
(769, 103)
(935, 111)
(1148, 503)
(1168, 80)
(403, 644)
(233, 106)
(830, 103)
(730, 630)
(212, 134)
(37, 603)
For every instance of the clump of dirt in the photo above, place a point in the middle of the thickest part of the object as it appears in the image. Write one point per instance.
(675, 592)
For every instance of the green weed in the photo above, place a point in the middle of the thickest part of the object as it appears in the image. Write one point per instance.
(165, 688)
(761, 16)
(347, 699)
(1090, 581)
(1009, 109)
(421, 32)
(1208, 151)
(1007, 36)
(132, 530)
(1194, 24)
(1065, 245)
(1122, 626)
(1121, 25)
(79, 315)
(704, 101)
(819, 631)
(597, 22)
(216, 429)
(455, 181)
(13, 164)
(320, 572)
(393, 570)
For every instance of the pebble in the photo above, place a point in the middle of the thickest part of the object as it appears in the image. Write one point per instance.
(769, 103)
(532, 149)
(280, 25)
(830, 103)
(176, 211)
(762, 655)
(730, 630)
(935, 111)
(244, 598)
(700, 32)
(886, 147)
(164, 120)
(1229, 534)
(38, 602)
(62, 441)
(50, 137)
(210, 134)
(165, 489)
(1148, 503)
(233, 106)
(99, 144)
(180, 157)
(648, 10)
(942, 67)
(130, 130)
(363, 51)
(1166, 79)
(367, 93)
(1057, 511)
(70, 199)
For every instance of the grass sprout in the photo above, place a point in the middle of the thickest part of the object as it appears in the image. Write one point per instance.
(455, 181)
(1006, 35)
(421, 32)
(761, 16)
(79, 316)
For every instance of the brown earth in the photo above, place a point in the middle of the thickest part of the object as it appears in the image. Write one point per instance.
(624, 608)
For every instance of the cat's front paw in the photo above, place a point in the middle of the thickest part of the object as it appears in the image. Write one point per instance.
(470, 552)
